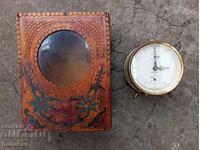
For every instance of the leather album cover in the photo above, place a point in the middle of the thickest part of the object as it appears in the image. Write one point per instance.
(64, 60)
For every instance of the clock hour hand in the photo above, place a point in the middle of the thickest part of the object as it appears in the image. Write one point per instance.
(163, 68)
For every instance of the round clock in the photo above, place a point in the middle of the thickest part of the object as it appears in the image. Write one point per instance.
(154, 68)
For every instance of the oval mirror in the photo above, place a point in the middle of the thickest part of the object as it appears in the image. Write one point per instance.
(64, 57)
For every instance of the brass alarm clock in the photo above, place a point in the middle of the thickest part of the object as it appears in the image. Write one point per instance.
(154, 68)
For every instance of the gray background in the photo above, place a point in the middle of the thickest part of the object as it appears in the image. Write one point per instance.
(142, 123)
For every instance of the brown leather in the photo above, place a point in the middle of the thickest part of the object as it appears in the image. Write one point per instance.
(82, 106)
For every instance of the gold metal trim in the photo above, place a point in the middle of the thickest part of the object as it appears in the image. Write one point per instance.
(127, 68)
(126, 73)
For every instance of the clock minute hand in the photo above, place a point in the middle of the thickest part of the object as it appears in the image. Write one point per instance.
(155, 59)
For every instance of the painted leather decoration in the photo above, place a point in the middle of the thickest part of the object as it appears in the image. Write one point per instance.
(82, 106)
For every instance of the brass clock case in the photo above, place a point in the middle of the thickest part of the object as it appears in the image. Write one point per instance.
(131, 80)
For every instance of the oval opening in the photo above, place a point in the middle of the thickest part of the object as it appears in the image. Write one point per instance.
(64, 57)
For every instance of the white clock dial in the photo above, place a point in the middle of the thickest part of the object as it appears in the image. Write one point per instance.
(156, 68)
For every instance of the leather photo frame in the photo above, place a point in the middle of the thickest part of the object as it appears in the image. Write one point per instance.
(82, 105)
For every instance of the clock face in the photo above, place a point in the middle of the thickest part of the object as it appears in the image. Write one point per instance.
(156, 68)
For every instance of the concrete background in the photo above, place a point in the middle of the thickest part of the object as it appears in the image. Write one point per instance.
(142, 123)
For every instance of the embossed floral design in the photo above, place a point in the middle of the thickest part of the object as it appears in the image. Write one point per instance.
(71, 111)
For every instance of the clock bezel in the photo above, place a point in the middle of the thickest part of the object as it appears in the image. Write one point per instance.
(132, 80)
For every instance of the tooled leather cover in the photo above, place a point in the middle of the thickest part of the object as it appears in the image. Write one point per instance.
(84, 106)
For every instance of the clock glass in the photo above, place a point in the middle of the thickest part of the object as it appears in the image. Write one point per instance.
(156, 68)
